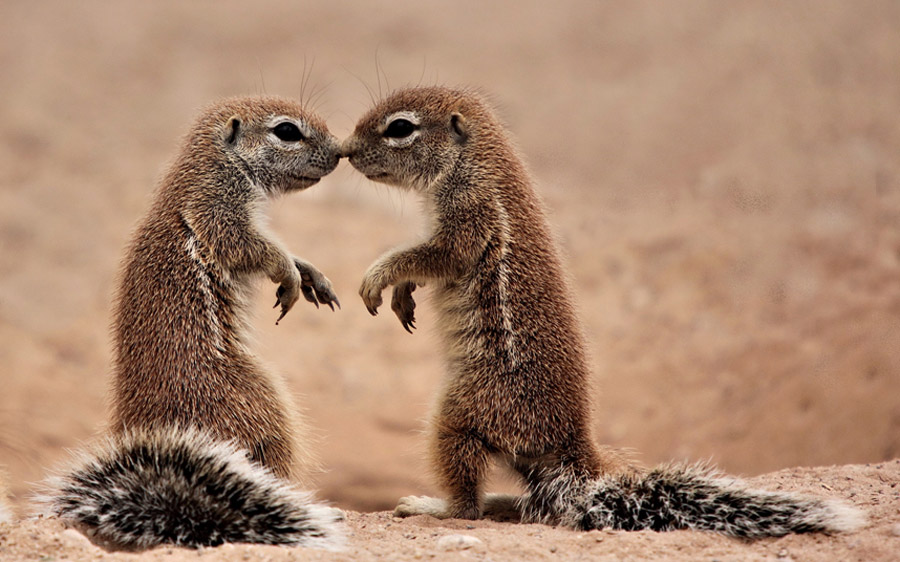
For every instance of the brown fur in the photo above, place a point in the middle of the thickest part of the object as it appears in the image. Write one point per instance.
(517, 381)
(180, 325)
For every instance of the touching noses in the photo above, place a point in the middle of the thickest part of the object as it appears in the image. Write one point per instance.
(349, 147)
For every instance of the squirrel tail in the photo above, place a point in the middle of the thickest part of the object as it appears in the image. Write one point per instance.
(184, 488)
(674, 497)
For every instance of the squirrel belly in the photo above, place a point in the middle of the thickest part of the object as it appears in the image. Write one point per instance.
(182, 487)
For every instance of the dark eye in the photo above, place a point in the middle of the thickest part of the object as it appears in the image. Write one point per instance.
(399, 128)
(288, 132)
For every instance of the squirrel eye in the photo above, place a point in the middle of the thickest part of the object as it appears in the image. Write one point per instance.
(399, 128)
(288, 132)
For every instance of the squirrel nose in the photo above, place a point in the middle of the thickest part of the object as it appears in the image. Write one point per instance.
(348, 147)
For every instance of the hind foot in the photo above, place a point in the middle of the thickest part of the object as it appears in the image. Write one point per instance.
(421, 505)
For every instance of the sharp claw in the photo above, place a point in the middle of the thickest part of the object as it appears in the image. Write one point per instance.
(406, 327)
(276, 305)
(283, 312)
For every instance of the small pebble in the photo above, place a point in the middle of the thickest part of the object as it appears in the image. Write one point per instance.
(783, 553)
(458, 542)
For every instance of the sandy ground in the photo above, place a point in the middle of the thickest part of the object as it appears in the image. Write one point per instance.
(724, 178)
(378, 536)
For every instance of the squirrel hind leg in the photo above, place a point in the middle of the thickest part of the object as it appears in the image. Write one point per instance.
(461, 458)
(183, 488)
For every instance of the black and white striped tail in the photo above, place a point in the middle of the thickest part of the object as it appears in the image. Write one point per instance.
(694, 497)
(183, 488)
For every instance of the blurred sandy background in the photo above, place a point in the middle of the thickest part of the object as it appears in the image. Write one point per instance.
(724, 177)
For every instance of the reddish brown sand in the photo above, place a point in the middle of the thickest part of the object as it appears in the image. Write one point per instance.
(723, 176)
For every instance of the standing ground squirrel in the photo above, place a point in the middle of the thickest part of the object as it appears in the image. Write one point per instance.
(180, 328)
(517, 378)
(188, 397)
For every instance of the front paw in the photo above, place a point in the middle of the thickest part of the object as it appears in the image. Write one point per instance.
(315, 286)
(370, 291)
(287, 294)
(404, 306)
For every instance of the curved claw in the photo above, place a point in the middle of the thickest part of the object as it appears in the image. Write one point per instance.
(316, 287)
(404, 306)
(280, 300)
(371, 298)
(327, 296)
(309, 294)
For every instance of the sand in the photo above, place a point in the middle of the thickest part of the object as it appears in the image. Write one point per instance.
(379, 536)
(723, 178)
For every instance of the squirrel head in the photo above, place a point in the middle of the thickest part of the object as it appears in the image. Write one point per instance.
(278, 144)
(417, 136)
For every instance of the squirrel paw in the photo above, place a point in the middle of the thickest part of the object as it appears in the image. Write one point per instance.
(286, 295)
(403, 305)
(315, 286)
(421, 505)
(370, 291)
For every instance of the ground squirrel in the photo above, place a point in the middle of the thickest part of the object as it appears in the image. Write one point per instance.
(517, 382)
(187, 393)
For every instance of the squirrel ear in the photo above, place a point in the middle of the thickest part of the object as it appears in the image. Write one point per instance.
(458, 129)
(232, 129)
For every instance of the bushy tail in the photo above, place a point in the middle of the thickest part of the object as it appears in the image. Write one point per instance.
(184, 488)
(694, 497)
